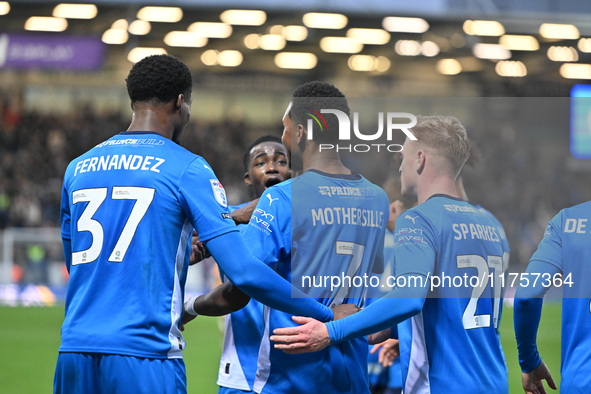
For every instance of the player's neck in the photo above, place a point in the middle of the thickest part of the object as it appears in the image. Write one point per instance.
(328, 162)
(152, 119)
(460, 188)
(325, 161)
(436, 185)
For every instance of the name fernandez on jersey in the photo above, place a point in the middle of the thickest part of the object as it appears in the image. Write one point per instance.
(347, 215)
(118, 162)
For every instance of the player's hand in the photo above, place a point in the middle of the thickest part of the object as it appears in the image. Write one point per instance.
(198, 250)
(186, 318)
(310, 336)
(344, 310)
(533, 382)
(396, 209)
(389, 351)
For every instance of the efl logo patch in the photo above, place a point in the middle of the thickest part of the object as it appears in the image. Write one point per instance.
(219, 193)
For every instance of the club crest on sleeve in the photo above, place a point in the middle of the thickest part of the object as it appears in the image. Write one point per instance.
(219, 193)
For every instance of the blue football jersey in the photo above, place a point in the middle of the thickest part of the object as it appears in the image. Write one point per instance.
(450, 253)
(452, 346)
(242, 339)
(129, 206)
(310, 227)
(566, 246)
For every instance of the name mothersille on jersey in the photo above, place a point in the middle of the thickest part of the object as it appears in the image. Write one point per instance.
(119, 162)
(347, 215)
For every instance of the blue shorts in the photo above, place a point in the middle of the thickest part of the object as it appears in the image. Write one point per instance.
(99, 373)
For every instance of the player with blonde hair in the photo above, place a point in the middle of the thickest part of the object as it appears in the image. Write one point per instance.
(447, 333)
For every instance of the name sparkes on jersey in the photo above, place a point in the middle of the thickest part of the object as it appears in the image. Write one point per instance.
(119, 162)
(475, 231)
(347, 215)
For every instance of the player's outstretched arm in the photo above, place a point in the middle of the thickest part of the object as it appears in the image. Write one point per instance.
(399, 305)
(527, 312)
(533, 382)
(343, 310)
(225, 298)
(545, 262)
(259, 281)
(242, 215)
(380, 336)
(312, 336)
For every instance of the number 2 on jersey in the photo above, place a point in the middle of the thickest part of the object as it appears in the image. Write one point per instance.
(95, 198)
(470, 318)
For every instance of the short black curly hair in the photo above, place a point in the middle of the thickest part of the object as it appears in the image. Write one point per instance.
(309, 98)
(159, 77)
(260, 140)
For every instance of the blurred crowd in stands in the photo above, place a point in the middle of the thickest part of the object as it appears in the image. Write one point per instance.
(36, 148)
(521, 186)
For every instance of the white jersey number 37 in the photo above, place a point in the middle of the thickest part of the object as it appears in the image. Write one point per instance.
(95, 198)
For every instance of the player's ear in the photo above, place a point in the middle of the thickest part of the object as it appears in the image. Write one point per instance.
(421, 159)
(179, 101)
(247, 179)
(301, 137)
(301, 133)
